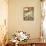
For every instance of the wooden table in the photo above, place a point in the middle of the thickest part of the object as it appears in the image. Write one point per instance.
(32, 42)
(35, 44)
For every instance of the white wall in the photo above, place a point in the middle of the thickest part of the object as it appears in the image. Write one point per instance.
(16, 21)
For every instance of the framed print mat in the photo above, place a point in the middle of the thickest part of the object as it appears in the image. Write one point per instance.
(28, 13)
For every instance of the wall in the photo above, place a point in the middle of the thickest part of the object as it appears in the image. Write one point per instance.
(16, 21)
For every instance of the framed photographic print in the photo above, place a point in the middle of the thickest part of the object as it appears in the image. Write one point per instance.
(28, 13)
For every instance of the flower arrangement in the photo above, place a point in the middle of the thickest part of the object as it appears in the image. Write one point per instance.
(21, 36)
